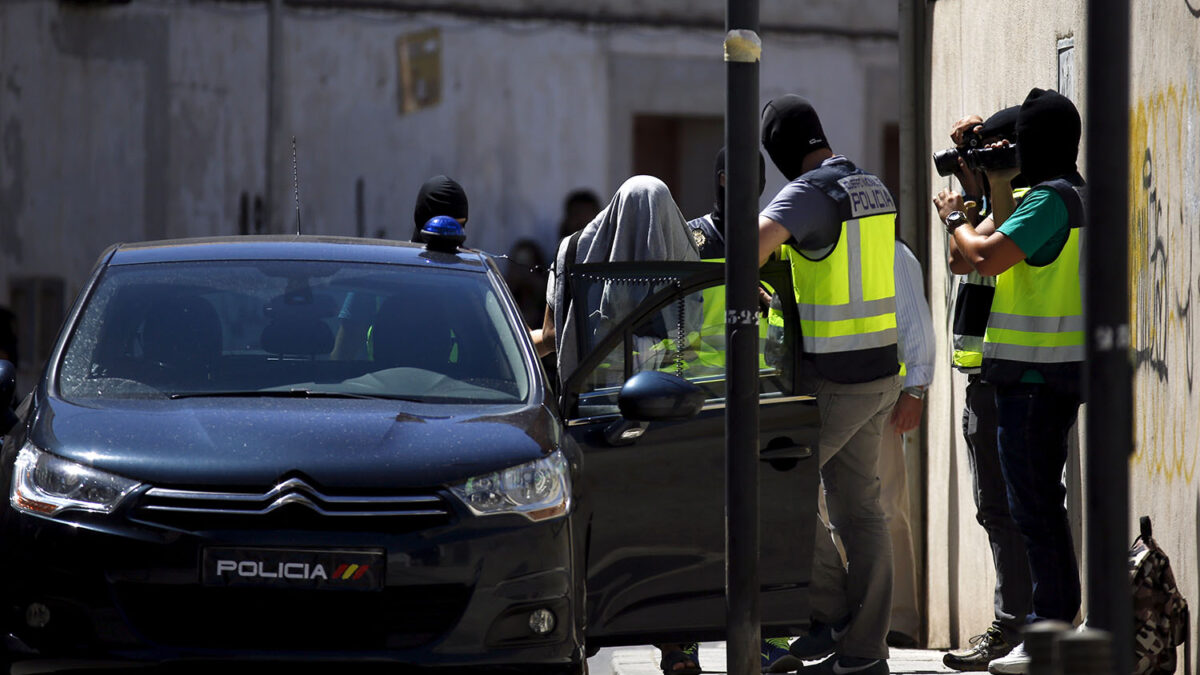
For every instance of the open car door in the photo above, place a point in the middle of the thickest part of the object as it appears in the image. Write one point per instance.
(652, 505)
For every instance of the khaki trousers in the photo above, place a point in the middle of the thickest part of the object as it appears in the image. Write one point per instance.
(893, 479)
(852, 421)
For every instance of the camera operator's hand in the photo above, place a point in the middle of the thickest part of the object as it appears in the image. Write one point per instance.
(970, 181)
(948, 201)
(1001, 177)
(968, 123)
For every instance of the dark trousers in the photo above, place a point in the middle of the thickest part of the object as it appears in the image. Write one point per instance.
(1033, 421)
(1013, 589)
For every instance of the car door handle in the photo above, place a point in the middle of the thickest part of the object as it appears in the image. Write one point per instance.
(624, 432)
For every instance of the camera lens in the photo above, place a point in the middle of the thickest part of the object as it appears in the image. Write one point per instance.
(1003, 157)
(946, 161)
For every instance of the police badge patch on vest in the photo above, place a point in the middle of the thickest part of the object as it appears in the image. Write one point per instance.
(868, 195)
(699, 238)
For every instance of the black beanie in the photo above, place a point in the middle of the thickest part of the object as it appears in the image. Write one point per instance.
(1002, 124)
(1048, 131)
(790, 131)
(439, 196)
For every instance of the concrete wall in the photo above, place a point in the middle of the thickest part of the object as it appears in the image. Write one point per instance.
(1164, 269)
(975, 68)
(149, 120)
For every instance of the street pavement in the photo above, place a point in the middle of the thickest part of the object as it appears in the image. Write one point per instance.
(644, 660)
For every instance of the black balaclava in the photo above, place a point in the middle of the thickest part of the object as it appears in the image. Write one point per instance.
(791, 130)
(439, 196)
(1002, 124)
(1048, 130)
(718, 212)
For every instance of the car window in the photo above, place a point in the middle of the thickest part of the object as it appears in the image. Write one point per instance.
(683, 333)
(282, 327)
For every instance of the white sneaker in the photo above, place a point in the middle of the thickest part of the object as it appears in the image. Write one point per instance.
(1016, 661)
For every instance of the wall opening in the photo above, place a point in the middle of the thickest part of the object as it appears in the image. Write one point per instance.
(681, 151)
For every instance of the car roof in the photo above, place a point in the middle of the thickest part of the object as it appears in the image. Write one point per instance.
(293, 247)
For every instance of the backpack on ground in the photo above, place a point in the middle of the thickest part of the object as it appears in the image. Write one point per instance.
(1160, 612)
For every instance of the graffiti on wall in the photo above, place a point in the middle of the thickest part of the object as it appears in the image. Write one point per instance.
(1165, 281)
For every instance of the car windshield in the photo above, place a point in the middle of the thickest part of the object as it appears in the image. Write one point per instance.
(294, 328)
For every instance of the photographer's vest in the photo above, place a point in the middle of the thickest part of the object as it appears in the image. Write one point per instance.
(972, 304)
(1036, 322)
(847, 297)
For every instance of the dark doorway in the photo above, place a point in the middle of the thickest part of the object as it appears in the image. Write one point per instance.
(680, 150)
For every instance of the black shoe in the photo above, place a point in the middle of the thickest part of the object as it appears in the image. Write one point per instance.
(983, 650)
(688, 652)
(821, 640)
(847, 665)
(901, 640)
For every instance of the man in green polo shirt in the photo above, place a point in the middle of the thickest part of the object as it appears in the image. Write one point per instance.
(1033, 347)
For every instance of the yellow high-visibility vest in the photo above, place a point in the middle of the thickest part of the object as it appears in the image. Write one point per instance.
(847, 300)
(846, 296)
(1037, 312)
(712, 346)
(968, 349)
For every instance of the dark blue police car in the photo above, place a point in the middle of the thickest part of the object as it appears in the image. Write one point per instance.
(281, 449)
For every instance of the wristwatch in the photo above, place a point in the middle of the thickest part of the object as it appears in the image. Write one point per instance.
(955, 219)
(916, 392)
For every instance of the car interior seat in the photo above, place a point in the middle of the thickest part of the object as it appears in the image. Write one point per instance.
(296, 325)
(409, 331)
(181, 340)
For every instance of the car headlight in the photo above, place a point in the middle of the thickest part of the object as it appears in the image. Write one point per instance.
(538, 490)
(45, 484)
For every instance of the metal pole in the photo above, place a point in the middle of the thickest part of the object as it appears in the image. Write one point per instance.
(914, 130)
(272, 215)
(1108, 371)
(742, 48)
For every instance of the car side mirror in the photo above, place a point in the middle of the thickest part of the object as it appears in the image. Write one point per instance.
(651, 396)
(8, 390)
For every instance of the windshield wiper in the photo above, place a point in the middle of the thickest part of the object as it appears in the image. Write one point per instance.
(293, 393)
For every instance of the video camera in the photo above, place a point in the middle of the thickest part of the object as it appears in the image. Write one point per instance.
(976, 156)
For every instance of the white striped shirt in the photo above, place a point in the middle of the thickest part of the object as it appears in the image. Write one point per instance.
(914, 325)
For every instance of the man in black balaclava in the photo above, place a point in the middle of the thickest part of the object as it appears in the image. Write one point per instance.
(972, 303)
(709, 231)
(829, 214)
(1033, 348)
(1048, 132)
(439, 196)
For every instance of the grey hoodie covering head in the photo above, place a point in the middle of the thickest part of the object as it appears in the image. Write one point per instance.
(642, 222)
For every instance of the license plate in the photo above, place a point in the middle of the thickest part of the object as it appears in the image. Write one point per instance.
(315, 569)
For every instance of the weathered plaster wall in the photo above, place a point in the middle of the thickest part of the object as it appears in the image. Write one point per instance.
(977, 69)
(149, 120)
(974, 69)
(1164, 269)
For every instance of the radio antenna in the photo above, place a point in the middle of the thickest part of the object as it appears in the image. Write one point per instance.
(296, 184)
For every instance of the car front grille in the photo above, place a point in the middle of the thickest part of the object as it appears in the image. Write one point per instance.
(292, 504)
(252, 618)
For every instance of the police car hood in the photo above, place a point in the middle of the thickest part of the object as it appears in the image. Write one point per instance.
(254, 442)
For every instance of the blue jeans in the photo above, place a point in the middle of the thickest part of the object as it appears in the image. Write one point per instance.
(1032, 422)
(1013, 587)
